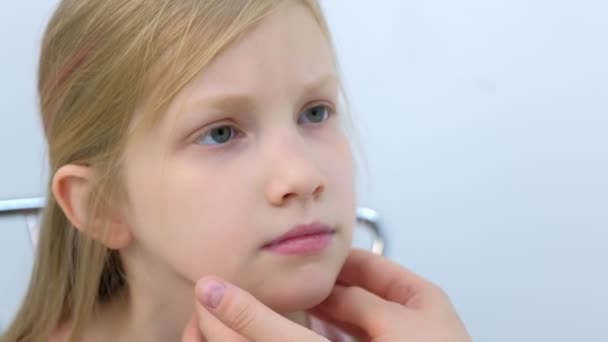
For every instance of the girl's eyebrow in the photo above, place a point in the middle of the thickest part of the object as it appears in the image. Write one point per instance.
(244, 100)
(319, 83)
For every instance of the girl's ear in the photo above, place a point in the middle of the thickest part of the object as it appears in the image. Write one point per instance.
(71, 186)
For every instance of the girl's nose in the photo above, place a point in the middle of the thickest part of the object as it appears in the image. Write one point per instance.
(294, 175)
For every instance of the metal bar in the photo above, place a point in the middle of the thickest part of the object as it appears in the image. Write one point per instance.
(21, 204)
(370, 219)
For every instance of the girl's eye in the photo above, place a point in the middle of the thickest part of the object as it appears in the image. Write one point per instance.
(218, 135)
(314, 114)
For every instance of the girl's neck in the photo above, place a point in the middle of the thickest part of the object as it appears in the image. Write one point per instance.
(134, 319)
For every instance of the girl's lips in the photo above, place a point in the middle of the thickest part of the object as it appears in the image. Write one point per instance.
(302, 239)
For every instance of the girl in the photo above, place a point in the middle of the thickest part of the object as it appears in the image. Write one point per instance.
(186, 138)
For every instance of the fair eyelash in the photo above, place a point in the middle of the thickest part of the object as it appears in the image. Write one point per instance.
(197, 136)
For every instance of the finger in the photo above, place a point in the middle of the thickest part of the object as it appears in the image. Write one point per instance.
(352, 330)
(192, 332)
(213, 329)
(385, 279)
(241, 312)
(350, 307)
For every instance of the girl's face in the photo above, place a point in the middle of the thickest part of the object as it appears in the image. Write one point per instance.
(256, 149)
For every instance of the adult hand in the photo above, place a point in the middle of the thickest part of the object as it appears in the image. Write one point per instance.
(378, 300)
(226, 313)
(374, 300)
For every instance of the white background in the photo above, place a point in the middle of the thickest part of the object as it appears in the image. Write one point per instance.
(485, 128)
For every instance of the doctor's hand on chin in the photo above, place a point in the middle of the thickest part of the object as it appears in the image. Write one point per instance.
(373, 300)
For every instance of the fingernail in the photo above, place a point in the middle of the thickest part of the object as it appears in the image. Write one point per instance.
(210, 293)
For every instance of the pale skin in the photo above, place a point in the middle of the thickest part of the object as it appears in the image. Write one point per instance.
(253, 146)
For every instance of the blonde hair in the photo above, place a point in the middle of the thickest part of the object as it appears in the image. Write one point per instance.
(99, 60)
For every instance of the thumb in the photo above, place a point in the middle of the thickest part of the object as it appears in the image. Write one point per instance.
(244, 314)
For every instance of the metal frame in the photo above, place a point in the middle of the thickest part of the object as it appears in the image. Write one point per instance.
(365, 216)
(13, 206)
(370, 219)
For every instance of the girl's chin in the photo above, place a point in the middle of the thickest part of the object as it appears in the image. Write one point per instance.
(286, 297)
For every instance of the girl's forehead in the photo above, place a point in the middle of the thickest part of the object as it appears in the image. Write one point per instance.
(287, 50)
(287, 43)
